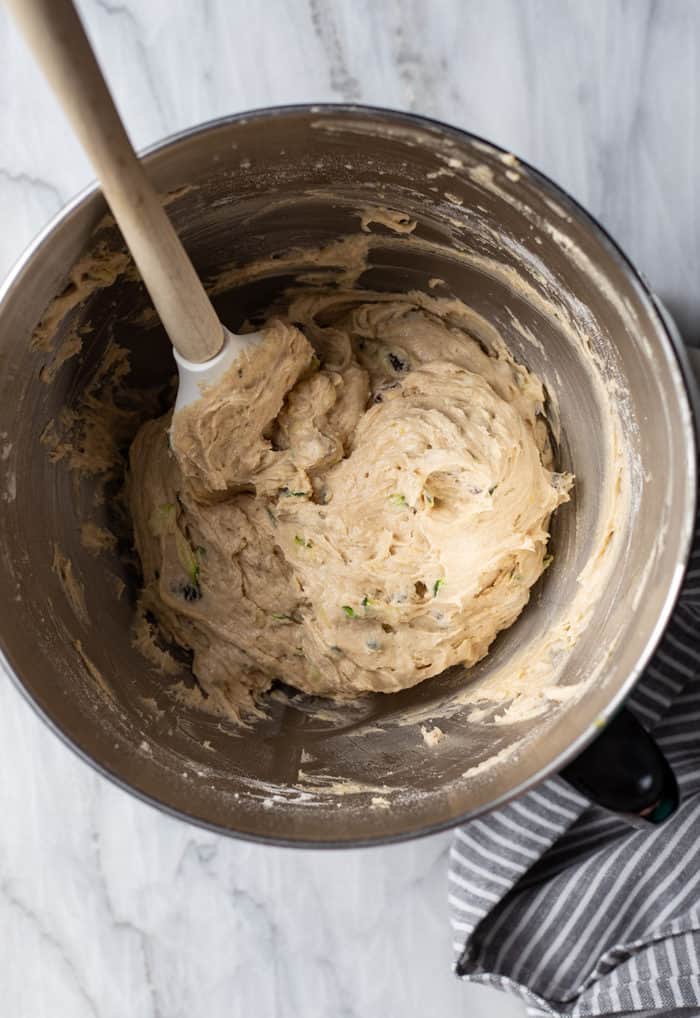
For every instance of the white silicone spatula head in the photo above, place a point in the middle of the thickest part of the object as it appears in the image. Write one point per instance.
(196, 377)
(204, 349)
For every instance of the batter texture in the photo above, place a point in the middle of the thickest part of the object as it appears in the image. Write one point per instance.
(362, 502)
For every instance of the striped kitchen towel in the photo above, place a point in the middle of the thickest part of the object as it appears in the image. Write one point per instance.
(568, 907)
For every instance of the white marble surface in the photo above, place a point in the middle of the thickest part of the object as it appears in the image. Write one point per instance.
(108, 908)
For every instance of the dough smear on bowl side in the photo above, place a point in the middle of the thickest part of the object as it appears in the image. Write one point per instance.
(358, 505)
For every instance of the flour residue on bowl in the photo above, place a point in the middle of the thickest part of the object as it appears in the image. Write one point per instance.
(96, 539)
(70, 584)
(95, 271)
(432, 736)
(397, 222)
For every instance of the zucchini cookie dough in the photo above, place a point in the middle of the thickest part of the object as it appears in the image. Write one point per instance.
(360, 503)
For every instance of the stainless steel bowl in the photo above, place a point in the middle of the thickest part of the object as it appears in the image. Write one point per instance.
(311, 773)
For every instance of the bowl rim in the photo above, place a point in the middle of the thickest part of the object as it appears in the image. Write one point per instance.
(685, 383)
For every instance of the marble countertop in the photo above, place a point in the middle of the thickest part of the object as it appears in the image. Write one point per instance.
(108, 908)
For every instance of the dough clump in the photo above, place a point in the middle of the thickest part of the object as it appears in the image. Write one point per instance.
(362, 502)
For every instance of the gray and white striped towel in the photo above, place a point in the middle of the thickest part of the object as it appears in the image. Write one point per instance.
(564, 904)
(568, 907)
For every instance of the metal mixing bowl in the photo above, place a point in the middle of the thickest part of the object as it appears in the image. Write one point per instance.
(310, 772)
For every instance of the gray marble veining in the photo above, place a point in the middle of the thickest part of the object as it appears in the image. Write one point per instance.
(108, 908)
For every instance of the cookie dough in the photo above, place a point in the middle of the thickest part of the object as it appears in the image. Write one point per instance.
(361, 503)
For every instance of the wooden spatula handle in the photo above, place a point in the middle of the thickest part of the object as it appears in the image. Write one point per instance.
(57, 38)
